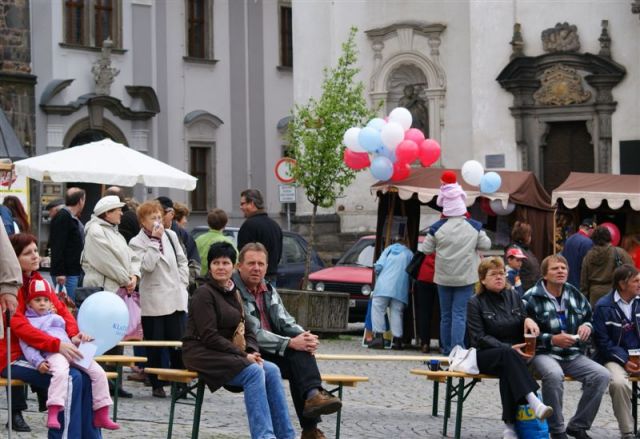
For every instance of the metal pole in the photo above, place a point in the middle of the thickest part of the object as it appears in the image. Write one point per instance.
(289, 217)
(9, 390)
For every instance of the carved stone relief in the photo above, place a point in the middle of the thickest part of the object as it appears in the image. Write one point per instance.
(103, 73)
(561, 38)
(561, 85)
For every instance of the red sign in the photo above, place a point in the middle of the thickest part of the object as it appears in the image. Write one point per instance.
(283, 170)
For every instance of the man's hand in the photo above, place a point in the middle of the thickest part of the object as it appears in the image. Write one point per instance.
(584, 331)
(563, 340)
(8, 302)
(43, 367)
(61, 280)
(631, 367)
(306, 342)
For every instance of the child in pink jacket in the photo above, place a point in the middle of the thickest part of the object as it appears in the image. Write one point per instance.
(41, 317)
(452, 198)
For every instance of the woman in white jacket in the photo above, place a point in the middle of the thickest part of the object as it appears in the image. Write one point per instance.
(163, 286)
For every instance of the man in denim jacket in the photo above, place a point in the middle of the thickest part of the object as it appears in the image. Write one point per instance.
(564, 317)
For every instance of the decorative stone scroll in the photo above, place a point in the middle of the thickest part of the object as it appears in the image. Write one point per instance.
(561, 38)
(561, 85)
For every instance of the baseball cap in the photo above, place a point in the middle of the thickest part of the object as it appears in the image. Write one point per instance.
(516, 253)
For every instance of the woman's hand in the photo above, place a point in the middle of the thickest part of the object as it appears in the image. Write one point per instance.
(158, 230)
(518, 348)
(255, 357)
(133, 280)
(80, 337)
(531, 327)
(43, 367)
(70, 352)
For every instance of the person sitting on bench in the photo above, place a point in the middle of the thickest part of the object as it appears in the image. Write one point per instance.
(496, 324)
(283, 341)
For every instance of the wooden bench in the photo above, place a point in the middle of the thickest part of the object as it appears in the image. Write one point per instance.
(461, 391)
(14, 383)
(191, 383)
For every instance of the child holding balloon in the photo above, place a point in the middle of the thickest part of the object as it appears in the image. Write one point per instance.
(40, 315)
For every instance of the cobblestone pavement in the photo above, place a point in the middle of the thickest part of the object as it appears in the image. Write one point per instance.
(393, 404)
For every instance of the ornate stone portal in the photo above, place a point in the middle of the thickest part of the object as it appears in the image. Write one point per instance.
(560, 86)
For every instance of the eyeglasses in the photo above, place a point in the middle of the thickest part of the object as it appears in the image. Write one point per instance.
(168, 210)
(496, 274)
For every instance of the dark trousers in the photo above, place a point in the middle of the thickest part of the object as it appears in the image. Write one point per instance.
(169, 327)
(301, 369)
(515, 379)
(426, 298)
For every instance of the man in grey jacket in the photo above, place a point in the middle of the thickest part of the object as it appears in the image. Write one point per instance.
(282, 341)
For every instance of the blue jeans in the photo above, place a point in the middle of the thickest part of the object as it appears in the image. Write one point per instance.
(453, 315)
(81, 413)
(379, 311)
(265, 402)
(70, 284)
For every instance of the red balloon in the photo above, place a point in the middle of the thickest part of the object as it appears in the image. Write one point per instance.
(615, 232)
(414, 134)
(356, 160)
(485, 206)
(429, 152)
(400, 171)
(407, 151)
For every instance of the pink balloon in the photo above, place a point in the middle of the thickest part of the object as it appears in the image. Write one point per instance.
(414, 134)
(356, 160)
(407, 151)
(400, 171)
(615, 232)
(429, 152)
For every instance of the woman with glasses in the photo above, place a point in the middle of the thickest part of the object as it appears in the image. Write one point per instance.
(496, 325)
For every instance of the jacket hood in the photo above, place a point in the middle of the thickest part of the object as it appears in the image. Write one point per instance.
(450, 191)
(98, 222)
(397, 248)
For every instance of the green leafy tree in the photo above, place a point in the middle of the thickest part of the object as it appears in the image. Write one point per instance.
(316, 131)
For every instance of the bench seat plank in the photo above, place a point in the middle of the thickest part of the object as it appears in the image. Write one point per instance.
(345, 380)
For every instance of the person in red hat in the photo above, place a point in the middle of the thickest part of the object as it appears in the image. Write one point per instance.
(452, 197)
(40, 315)
(515, 256)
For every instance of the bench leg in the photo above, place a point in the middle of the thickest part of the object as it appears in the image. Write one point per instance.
(116, 390)
(447, 405)
(195, 430)
(339, 413)
(434, 404)
(634, 406)
(459, 401)
(174, 397)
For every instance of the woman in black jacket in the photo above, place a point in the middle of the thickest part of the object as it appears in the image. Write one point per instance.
(496, 324)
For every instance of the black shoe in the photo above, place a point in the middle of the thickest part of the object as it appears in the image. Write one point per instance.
(18, 423)
(377, 342)
(559, 436)
(124, 394)
(396, 344)
(578, 434)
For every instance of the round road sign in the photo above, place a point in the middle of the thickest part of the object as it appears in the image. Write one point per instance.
(283, 170)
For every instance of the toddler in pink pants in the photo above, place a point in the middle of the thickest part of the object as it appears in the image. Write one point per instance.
(41, 317)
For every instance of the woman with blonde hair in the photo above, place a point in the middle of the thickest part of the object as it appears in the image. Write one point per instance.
(496, 324)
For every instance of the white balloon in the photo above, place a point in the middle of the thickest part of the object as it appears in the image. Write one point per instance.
(392, 134)
(350, 139)
(472, 172)
(402, 116)
(499, 209)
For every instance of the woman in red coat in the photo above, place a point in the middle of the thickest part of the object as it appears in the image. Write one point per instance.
(25, 246)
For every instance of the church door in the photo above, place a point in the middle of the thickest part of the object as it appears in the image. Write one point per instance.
(568, 148)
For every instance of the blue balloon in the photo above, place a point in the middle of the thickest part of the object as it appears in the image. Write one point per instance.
(105, 317)
(369, 138)
(386, 152)
(490, 182)
(376, 123)
(381, 168)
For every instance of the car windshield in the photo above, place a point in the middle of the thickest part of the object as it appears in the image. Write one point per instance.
(361, 254)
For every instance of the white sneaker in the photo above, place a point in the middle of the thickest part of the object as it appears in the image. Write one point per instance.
(509, 433)
(543, 411)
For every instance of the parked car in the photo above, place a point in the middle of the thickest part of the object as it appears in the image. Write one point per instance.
(353, 274)
(294, 255)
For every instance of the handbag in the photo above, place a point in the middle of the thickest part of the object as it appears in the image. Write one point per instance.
(238, 336)
(83, 292)
(413, 269)
(61, 292)
(617, 260)
(463, 360)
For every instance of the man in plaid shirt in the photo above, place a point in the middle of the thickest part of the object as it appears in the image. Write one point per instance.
(564, 317)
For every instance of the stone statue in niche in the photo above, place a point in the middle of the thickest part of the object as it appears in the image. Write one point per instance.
(561, 85)
(561, 38)
(412, 101)
(102, 71)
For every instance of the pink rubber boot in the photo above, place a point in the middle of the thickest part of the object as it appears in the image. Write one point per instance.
(101, 419)
(52, 417)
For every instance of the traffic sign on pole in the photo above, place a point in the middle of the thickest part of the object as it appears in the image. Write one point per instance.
(283, 170)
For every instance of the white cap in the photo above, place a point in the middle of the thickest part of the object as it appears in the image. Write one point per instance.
(106, 204)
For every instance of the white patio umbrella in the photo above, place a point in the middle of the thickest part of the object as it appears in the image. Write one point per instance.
(104, 162)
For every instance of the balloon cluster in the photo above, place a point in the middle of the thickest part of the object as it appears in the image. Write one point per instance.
(389, 146)
(473, 173)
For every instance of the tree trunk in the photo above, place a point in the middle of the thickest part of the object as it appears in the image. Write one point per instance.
(312, 241)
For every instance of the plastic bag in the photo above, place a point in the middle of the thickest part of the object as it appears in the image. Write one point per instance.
(132, 300)
(528, 426)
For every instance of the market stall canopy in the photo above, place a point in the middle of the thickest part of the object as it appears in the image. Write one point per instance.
(104, 162)
(519, 187)
(596, 188)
